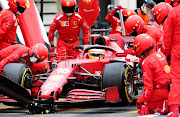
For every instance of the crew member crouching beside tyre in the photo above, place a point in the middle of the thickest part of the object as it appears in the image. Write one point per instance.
(32, 57)
(156, 77)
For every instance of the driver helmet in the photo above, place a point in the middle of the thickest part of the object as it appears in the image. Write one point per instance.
(96, 53)
(134, 25)
(37, 53)
(147, 6)
(18, 5)
(160, 12)
(173, 3)
(68, 6)
(143, 43)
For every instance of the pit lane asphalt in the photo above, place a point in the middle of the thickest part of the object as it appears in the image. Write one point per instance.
(96, 111)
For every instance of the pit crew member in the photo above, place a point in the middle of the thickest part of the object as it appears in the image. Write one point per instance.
(68, 25)
(9, 22)
(134, 26)
(32, 57)
(144, 11)
(156, 76)
(113, 18)
(160, 13)
(172, 46)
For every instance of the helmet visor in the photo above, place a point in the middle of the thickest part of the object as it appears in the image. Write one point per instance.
(21, 9)
(96, 54)
(68, 9)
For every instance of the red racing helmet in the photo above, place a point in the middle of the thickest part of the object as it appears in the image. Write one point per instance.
(134, 24)
(142, 43)
(39, 68)
(18, 5)
(173, 2)
(127, 12)
(68, 6)
(39, 50)
(160, 12)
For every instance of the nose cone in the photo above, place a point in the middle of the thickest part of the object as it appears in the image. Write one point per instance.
(45, 94)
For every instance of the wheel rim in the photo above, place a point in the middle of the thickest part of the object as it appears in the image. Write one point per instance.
(26, 80)
(129, 86)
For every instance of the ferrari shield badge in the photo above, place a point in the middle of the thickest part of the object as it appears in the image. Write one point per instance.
(75, 23)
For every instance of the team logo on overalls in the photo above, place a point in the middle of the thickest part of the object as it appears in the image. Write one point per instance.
(67, 23)
(118, 28)
(166, 68)
(75, 23)
(64, 23)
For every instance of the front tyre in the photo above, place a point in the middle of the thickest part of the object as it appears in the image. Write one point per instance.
(121, 75)
(19, 73)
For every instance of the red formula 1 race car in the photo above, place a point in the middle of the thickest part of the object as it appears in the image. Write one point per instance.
(99, 73)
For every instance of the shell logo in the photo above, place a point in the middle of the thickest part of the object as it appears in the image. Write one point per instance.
(117, 28)
(62, 23)
(67, 3)
(136, 24)
(166, 68)
(27, 4)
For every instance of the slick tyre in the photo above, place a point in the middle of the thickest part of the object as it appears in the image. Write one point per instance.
(121, 75)
(19, 73)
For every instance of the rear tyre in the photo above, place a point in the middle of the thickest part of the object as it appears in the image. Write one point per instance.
(121, 75)
(19, 73)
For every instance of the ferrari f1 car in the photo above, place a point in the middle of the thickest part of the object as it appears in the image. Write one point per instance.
(108, 78)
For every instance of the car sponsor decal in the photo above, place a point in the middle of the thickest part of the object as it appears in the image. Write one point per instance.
(98, 72)
(51, 84)
(56, 77)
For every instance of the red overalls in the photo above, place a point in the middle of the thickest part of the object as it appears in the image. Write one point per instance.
(8, 26)
(156, 77)
(68, 29)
